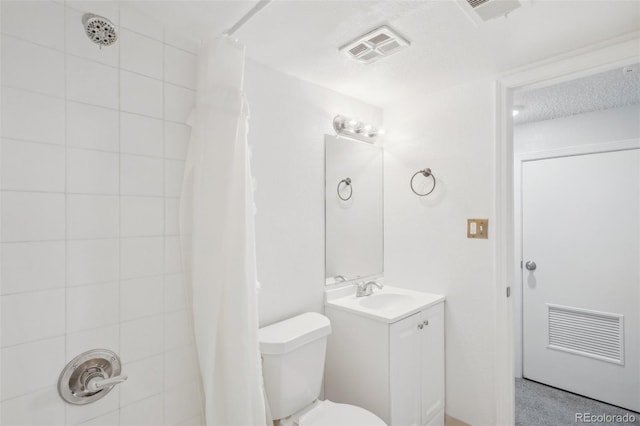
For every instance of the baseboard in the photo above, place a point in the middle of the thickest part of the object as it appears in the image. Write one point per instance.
(452, 421)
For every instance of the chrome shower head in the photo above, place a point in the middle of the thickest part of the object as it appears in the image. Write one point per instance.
(99, 29)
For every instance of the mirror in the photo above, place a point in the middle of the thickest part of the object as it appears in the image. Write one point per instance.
(353, 210)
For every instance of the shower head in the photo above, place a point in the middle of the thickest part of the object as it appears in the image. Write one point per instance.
(99, 29)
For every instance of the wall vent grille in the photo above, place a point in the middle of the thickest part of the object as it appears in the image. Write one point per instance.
(587, 333)
(375, 45)
(480, 11)
(476, 3)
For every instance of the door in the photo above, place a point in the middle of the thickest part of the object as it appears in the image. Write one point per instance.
(581, 227)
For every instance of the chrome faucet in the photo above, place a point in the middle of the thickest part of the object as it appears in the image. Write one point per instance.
(365, 288)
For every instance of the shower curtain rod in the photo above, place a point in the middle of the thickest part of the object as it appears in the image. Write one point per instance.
(254, 10)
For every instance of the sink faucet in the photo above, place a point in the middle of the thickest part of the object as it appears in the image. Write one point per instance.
(365, 288)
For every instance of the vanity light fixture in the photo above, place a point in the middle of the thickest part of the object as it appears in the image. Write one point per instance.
(351, 128)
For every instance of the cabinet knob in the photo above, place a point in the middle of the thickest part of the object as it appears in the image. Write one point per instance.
(425, 322)
(420, 326)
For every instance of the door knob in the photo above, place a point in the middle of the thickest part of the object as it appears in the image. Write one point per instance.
(530, 265)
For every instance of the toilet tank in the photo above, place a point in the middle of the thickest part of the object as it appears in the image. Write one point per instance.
(293, 353)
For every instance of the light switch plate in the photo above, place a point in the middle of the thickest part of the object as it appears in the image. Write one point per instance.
(478, 228)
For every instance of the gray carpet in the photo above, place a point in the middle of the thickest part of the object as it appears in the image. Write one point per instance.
(540, 405)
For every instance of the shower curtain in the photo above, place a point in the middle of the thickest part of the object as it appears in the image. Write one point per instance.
(217, 227)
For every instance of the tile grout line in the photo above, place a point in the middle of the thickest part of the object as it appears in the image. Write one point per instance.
(164, 226)
(66, 184)
(119, 274)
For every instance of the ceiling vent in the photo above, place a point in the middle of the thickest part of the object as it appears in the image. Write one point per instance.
(483, 10)
(375, 45)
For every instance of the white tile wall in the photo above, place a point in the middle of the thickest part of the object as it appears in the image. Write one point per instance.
(91, 82)
(140, 94)
(141, 54)
(141, 257)
(141, 175)
(92, 127)
(44, 22)
(93, 147)
(21, 109)
(23, 64)
(32, 366)
(32, 266)
(92, 216)
(36, 408)
(32, 216)
(176, 140)
(31, 166)
(145, 379)
(141, 216)
(141, 338)
(92, 261)
(141, 297)
(92, 172)
(27, 317)
(92, 306)
(148, 412)
(141, 135)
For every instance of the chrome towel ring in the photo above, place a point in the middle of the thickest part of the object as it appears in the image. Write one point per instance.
(426, 173)
(347, 182)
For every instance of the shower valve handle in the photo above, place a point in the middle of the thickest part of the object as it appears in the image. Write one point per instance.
(97, 384)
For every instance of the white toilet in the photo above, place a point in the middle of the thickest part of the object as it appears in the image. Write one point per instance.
(293, 353)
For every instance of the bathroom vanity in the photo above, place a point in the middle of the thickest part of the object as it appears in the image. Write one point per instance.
(386, 354)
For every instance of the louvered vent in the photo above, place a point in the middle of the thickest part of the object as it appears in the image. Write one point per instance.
(375, 45)
(480, 11)
(476, 3)
(588, 333)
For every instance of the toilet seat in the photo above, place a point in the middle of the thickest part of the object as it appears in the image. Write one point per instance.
(327, 413)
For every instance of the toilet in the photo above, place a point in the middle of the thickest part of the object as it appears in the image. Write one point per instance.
(293, 353)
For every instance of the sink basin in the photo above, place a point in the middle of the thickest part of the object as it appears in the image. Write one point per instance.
(388, 305)
(385, 300)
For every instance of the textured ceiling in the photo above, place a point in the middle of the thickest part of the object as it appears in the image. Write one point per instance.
(610, 89)
(302, 37)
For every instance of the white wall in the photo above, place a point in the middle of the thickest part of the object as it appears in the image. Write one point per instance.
(583, 129)
(93, 143)
(426, 247)
(289, 118)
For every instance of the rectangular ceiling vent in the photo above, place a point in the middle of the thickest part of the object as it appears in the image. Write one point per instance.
(480, 11)
(375, 45)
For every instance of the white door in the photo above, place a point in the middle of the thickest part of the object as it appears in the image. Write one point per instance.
(581, 302)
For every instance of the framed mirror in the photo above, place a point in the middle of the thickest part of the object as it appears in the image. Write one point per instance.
(354, 222)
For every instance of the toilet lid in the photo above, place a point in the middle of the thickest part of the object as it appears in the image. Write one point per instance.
(332, 414)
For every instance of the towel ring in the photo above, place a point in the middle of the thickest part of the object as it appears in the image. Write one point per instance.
(426, 173)
(347, 182)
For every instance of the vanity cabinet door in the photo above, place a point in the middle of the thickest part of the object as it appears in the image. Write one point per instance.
(432, 365)
(405, 341)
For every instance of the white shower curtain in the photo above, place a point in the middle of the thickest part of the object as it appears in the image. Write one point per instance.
(217, 225)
